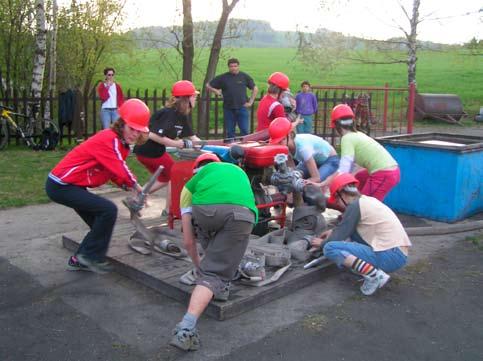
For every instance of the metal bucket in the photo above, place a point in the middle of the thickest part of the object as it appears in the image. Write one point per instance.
(447, 107)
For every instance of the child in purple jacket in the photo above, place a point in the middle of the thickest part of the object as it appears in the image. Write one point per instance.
(306, 107)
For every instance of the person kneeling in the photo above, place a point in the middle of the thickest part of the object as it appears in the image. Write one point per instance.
(370, 240)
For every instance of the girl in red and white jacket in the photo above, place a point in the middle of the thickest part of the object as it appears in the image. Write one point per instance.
(111, 96)
(93, 163)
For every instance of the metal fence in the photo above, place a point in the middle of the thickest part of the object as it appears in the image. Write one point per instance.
(379, 110)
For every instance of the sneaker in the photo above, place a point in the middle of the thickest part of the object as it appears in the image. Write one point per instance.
(223, 294)
(93, 265)
(75, 265)
(185, 340)
(371, 284)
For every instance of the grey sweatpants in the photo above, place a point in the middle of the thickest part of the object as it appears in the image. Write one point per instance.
(223, 231)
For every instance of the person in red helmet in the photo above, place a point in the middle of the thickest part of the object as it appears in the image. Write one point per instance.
(218, 208)
(99, 159)
(370, 240)
(380, 171)
(316, 158)
(270, 106)
(169, 127)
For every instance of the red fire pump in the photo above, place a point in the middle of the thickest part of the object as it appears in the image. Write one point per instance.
(255, 158)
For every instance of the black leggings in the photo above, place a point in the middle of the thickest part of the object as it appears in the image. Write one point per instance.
(99, 213)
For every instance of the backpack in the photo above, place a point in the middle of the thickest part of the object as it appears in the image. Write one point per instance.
(49, 139)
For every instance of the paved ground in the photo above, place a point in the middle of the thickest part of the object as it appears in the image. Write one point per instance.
(432, 310)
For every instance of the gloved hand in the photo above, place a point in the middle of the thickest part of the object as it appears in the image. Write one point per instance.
(187, 144)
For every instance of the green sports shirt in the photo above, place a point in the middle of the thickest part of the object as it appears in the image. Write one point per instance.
(366, 152)
(218, 183)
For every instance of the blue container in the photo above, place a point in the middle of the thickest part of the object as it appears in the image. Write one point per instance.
(221, 151)
(441, 175)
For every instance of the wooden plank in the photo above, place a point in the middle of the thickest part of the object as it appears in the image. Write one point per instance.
(161, 273)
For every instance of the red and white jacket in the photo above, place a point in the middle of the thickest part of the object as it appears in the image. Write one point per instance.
(269, 108)
(96, 161)
(103, 93)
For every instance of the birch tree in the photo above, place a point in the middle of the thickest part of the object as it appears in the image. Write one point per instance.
(52, 57)
(40, 50)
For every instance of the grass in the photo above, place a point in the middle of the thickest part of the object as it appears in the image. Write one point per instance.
(437, 72)
(24, 173)
(476, 241)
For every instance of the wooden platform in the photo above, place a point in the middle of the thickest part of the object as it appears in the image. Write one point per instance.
(161, 273)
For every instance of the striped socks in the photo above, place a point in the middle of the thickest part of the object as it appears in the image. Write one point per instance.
(363, 268)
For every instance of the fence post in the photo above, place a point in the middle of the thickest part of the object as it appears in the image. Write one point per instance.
(410, 115)
(94, 112)
(155, 100)
(386, 99)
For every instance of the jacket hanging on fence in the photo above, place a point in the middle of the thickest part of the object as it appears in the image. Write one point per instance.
(66, 108)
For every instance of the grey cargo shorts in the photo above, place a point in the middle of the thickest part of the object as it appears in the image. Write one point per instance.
(223, 231)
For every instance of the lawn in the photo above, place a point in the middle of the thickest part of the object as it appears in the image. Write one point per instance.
(24, 173)
(437, 72)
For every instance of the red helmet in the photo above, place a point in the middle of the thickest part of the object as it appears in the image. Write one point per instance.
(279, 79)
(278, 129)
(135, 113)
(183, 88)
(339, 182)
(204, 158)
(340, 111)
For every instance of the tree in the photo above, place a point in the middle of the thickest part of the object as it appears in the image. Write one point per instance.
(16, 44)
(213, 62)
(40, 50)
(52, 57)
(188, 48)
(317, 48)
(86, 32)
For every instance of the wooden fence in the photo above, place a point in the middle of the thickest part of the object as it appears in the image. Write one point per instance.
(379, 110)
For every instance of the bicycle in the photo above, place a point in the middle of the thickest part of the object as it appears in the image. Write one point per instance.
(28, 134)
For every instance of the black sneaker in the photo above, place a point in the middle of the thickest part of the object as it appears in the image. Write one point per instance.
(75, 265)
(100, 267)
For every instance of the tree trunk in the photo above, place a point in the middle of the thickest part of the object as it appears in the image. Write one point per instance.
(188, 48)
(412, 43)
(212, 64)
(53, 58)
(40, 49)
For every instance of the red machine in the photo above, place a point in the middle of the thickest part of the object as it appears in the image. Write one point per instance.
(256, 161)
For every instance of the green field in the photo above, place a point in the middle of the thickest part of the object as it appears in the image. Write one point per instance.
(452, 72)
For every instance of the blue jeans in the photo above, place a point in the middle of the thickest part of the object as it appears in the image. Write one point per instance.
(307, 125)
(99, 213)
(326, 169)
(232, 118)
(108, 116)
(389, 261)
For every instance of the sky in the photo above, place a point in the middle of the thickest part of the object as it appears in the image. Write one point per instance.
(445, 20)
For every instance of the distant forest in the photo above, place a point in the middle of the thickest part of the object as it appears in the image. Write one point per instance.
(244, 34)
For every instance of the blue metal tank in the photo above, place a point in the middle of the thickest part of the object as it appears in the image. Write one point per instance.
(441, 175)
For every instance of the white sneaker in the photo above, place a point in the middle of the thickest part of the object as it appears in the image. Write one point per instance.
(371, 284)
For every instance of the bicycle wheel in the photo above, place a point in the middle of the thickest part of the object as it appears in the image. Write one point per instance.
(3, 133)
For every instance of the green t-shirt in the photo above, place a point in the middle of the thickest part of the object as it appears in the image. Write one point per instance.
(221, 183)
(367, 152)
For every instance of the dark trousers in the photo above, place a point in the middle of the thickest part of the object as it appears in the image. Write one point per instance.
(99, 213)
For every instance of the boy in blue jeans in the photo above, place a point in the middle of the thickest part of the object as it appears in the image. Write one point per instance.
(307, 107)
